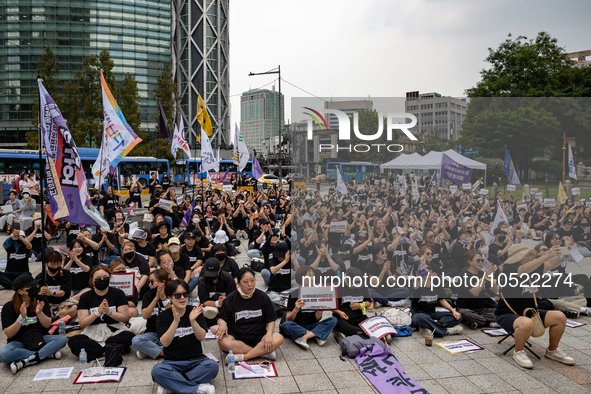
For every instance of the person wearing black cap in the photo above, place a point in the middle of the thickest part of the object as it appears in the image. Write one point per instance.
(195, 255)
(160, 241)
(500, 248)
(214, 286)
(566, 230)
(25, 320)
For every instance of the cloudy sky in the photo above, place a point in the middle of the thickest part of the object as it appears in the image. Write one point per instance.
(384, 48)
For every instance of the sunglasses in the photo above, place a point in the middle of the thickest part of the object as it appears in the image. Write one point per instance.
(543, 249)
(479, 260)
(585, 224)
(153, 282)
(178, 296)
(469, 228)
(429, 254)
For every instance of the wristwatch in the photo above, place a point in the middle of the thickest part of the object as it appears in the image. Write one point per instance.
(54, 293)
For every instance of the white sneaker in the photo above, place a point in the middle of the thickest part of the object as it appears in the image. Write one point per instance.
(270, 356)
(560, 356)
(398, 304)
(303, 343)
(210, 312)
(585, 310)
(140, 355)
(162, 390)
(455, 330)
(425, 332)
(205, 388)
(57, 355)
(521, 358)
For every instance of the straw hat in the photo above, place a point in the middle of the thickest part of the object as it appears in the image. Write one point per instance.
(516, 253)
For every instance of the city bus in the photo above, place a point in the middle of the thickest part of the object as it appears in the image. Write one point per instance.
(183, 168)
(12, 162)
(360, 171)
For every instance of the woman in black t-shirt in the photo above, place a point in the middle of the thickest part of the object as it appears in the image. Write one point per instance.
(79, 266)
(56, 285)
(153, 303)
(142, 239)
(25, 320)
(247, 320)
(181, 330)
(353, 302)
(102, 307)
(118, 266)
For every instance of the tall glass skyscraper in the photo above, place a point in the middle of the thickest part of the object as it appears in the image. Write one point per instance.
(136, 32)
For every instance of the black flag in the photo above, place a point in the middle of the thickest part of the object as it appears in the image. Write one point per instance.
(163, 125)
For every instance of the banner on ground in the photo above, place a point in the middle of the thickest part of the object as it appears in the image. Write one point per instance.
(66, 183)
(454, 171)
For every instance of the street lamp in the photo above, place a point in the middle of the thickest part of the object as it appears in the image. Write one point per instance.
(277, 71)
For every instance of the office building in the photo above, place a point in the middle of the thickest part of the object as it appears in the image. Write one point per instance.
(347, 107)
(259, 119)
(136, 33)
(200, 64)
(442, 115)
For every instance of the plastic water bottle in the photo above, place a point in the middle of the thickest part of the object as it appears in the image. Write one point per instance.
(62, 327)
(82, 359)
(231, 362)
(330, 251)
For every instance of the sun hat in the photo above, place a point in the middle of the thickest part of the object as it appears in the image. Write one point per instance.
(516, 253)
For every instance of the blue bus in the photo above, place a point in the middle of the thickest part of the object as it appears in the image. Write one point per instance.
(183, 168)
(360, 171)
(12, 162)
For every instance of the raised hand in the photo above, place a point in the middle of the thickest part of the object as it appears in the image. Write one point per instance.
(195, 312)
(39, 307)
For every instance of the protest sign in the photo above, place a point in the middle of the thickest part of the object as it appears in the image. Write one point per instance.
(549, 202)
(459, 346)
(533, 190)
(520, 206)
(165, 204)
(453, 189)
(255, 371)
(511, 188)
(376, 182)
(338, 227)
(377, 326)
(466, 186)
(576, 191)
(226, 188)
(483, 191)
(110, 374)
(495, 333)
(179, 199)
(285, 187)
(574, 324)
(124, 281)
(320, 298)
(538, 196)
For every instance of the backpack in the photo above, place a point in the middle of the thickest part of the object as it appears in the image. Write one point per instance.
(397, 317)
(350, 346)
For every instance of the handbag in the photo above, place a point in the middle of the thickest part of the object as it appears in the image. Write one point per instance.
(539, 328)
(257, 264)
(33, 340)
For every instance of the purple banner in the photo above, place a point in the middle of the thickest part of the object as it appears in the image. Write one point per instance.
(453, 171)
(257, 171)
(382, 369)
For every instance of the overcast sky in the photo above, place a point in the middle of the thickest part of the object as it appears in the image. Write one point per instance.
(348, 48)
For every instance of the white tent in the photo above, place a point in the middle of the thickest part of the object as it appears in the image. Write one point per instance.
(401, 162)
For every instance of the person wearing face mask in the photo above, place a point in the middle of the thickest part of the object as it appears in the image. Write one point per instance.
(118, 266)
(154, 207)
(135, 193)
(79, 266)
(195, 255)
(56, 285)
(28, 206)
(101, 313)
(500, 247)
(107, 245)
(142, 240)
(137, 263)
(180, 259)
(15, 209)
(228, 264)
(153, 303)
(35, 235)
(214, 286)
(120, 229)
(109, 204)
(25, 320)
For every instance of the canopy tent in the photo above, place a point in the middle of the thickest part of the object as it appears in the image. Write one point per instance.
(402, 162)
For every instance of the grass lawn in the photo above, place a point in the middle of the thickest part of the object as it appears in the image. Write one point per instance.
(586, 194)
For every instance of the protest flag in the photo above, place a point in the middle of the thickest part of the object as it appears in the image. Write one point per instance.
(240, 154)
(65, 180)
(203, 118)
(509, 170)
(208, 161)
(561, 194)
(499, 217)
(163, 125)
(572, 169)
(454, 171)
(257, 171)
(341, 187)
(179, 141)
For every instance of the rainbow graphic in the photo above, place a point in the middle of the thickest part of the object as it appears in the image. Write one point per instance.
(318, 115)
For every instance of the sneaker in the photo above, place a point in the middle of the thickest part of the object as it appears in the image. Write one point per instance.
(455, 330)
(205, 388)
(571, 314)
(210, 312)
(16, 366)
(560, 356)
(320, 342)
(303, 343)
(162, 390)
(425, 332)
(141, 355)
(338, 336)
(585, 310)
(57, 355)
(493, 324)
(270, 356)
(473, 325)
(521, 358)
(398, 304)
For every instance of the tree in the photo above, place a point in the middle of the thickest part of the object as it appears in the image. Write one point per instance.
(434, 142)
(368, 121)
(165, 93)
(91, 99)
(128, 98)
(48, 68)
(70, 108)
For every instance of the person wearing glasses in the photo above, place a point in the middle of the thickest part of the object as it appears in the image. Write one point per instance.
(153, 303)
(437, 249)
(102, 313)
(472, 301)
(182, 330)
(382, 274)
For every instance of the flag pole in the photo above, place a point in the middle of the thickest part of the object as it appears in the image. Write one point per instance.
(41, 168)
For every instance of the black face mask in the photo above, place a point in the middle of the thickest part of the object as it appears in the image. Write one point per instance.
(221, 256)
(53, 270)
(101, 284)
(502, 238)
(129, 255)
(157, 195)
(33, 292)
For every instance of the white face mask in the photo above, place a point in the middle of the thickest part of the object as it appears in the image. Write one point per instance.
(38, 222)
(195, 220)
(484, 250)
(174, 248)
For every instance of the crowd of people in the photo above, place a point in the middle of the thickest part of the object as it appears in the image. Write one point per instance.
(387, 234)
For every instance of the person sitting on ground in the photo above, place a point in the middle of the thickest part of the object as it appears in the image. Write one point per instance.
(424, 300)
(228, 264)
(381, 273)
(280, 267)
(166, 263)
(153, 303)
(182, 330)
(56, 285)
(196, 259)
(515, 300)
(247, 320)
(118, 266)
(353, 303)
(501, 246)
(215, 285)
(142, 239)
(17, 248)
(79, 266)
(160, 241)
(25, 320)
(474, 304)
(301, 325)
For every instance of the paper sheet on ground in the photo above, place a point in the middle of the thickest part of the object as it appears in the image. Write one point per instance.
(574, 324)
(53, 374)
(459, 346)
(243, 373)
(112, 374)
(495, 332)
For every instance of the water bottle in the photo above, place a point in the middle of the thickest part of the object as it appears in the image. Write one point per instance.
(330, 251)
(62, 327)
(82, 359)
(231, 362)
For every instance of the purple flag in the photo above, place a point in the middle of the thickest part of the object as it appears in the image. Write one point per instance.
(187, 218)
(433, 181)
(257, 171)
(453, 171)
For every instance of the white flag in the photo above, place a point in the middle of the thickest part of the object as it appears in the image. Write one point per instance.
(208, 175)
(341, 187)
(179, 141)
(415, 191)
(218, 161)
(404, 185)
(208, 161)
(499, 217)
(572, 169)
(240, 155)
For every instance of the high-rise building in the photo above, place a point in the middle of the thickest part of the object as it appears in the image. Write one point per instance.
(347, 107)
(436, 113)
(258, 116)
(136, 33)
(200, 58)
